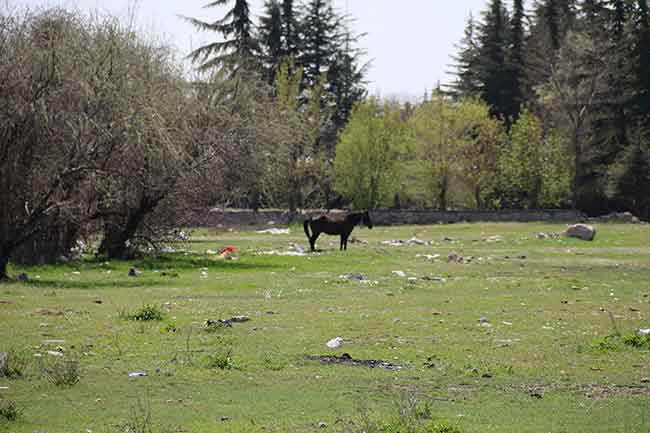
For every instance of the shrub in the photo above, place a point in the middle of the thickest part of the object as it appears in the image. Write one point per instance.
(221, 359)
(9, 410)
(618, 342)
(63, 373)
(146, 313)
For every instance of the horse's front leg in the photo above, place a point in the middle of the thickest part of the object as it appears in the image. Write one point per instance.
(342, 241)
(312, 241)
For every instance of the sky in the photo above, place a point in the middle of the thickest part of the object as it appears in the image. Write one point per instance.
(409, 42)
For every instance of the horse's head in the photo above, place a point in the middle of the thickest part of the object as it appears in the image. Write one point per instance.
(366, 219)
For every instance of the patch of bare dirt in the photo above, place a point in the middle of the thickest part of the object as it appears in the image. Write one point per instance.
(346, 359)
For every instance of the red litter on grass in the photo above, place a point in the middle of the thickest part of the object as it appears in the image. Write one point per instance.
(226, 251)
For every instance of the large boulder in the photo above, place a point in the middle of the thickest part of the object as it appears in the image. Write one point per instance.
(581, 231)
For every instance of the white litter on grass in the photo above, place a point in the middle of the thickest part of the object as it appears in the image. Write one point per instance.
(54, 353)
(644, 331)
(400, 274)
(429, 257)
(275, 231)
(334, 343)
(138, 374)
(282, 253)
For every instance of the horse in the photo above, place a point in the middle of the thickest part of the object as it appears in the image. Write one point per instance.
(335, 224)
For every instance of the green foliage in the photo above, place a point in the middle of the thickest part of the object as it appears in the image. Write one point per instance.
(9, 410)
(535, 165)
(146, 313)
(456, 146)
(369, 150)
(618, 342)
(220, 359)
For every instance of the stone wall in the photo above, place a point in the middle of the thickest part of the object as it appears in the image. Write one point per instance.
(237, 218)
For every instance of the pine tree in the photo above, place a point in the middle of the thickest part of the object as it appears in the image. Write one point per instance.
(290, 30)
(467, 82)
(618, 77)
(641, 36)
(593, 12)
(321, 39)
(347, 79)
(517, 55)
(236, 28)
(270, 38)
(551, 21)
(494, 72)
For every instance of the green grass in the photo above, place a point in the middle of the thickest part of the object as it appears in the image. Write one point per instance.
(546, 315)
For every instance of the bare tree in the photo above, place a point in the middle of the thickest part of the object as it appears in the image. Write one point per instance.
(576, 79)
(56, 129)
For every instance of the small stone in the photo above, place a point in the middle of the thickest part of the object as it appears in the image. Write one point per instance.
(487, 375)
(645, 380)
(133, 272)
(400, 274)
(224, 418)
(352, 277)
(240, 319)
(322, 425)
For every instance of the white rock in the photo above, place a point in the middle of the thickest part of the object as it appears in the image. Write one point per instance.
(334, 343)
(400, 274)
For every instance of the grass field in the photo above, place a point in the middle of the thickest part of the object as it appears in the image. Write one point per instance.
(526, 336)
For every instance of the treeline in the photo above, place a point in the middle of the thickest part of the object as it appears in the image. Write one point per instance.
(311, 38)
(550, 108)
(449, 154)
(581, 67)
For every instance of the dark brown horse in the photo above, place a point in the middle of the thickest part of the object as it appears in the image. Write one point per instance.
(335, 224)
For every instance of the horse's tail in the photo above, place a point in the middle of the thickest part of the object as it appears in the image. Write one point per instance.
(305, 225)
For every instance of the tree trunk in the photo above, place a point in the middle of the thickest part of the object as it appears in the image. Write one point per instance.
(477, 197)
(116, 237)
(4, 260)
(576, 167)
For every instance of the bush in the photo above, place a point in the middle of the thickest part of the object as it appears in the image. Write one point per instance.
(9, 410)
(618, 342)
(146, 313)
(221, 359)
